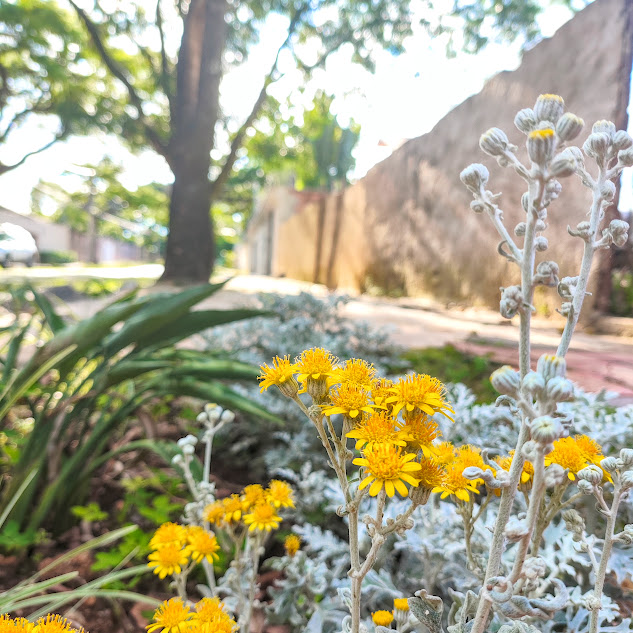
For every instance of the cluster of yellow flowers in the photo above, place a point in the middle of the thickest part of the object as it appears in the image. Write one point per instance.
(47, 624)
(209, 616)
(175, 546)
(385, 618)
(393, 426)
(255, 507)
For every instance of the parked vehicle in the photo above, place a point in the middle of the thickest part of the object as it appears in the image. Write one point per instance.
(16, 245)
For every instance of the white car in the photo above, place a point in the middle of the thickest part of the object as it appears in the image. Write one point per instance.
(16, 245)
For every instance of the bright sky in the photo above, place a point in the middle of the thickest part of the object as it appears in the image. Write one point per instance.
(406, 96)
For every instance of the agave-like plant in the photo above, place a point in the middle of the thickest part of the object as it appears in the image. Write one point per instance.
(86, 381)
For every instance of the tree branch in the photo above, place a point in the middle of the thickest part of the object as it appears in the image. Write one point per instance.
(120, 74)
(236, 143)
(164, 62)
(58, 137)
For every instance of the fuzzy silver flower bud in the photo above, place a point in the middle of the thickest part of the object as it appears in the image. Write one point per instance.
(626, 455)
(585, 487)
(541, 243)
(560, 389)
(549, 107)
(626, 480)
(609, 464)
(604, 127)
(477, 206)
(622, 140)
(545, 429)
(475, 176)
(533, 384)
(568, 126)
(547, 274)
(515, 529)
(625, 157)
(540, 145)
(520, 228)
(227, 416)
(506, 380)
(583, 230)
(619, 232)
(555, 475)
(596, 145)
(540, 225)
(550, 365)
(525, 120)
(525, 201)
(591, 474)
(607, 191)
(511, 301)
(562, 166)
(494, 142)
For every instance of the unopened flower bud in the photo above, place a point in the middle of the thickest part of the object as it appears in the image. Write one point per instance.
(515, 529)
(511, 301)
(604, 127)
(188, 449)
(625, 157)
(201, 418)
(608, 191)
(569, 126)
(545, 429)
(227, 416)
(591, 474)
(549, 107)
(475, 176)
(555, 475)
(618, 231)
(626, 455)
(547, 273)
(627, 480)
(506, 380)
(583, 230)
(541, 243)
(477, 206)
(494, 142)
(533, 384)
(609, 464)
(596, 145)
(540, 145)
(562, 167)
(560, 389)
(550, 365)
(622, 140)
(525, 201)
(520, 228)
(540, 225)
(189, 440)
(525, 120)
(585, 487)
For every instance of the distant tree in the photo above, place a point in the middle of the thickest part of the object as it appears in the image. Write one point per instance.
(101, 205)
(161, 69)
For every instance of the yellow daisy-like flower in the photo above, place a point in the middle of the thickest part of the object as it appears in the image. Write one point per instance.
(382, 618)
(420, 432)
(381, 390)
(349, 400)
(316, 363)
(173, 616)
(568, 454)
(431, 474)
(214, 513)
(252, 495)
(419, 393)
(402, 604)
(387, 466)
(589, 449)
(263, 517)
(17, 625)
(456, 484)
(528, 468)
(202, 544)
(169, 534)
(52, 624)
(279, 494)
(280, 373)
(354, 372)
(210, 617)
(168, 560)
(292, 543)
(232, 508)
(443, 453)
(377, 428)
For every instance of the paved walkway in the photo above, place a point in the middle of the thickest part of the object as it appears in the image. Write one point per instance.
(595, 361)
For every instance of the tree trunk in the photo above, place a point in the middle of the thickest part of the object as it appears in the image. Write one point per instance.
(190, 252)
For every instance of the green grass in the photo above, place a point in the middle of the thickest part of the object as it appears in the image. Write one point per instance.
(451, 365)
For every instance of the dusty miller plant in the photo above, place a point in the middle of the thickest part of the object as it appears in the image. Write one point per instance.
(534, 396)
